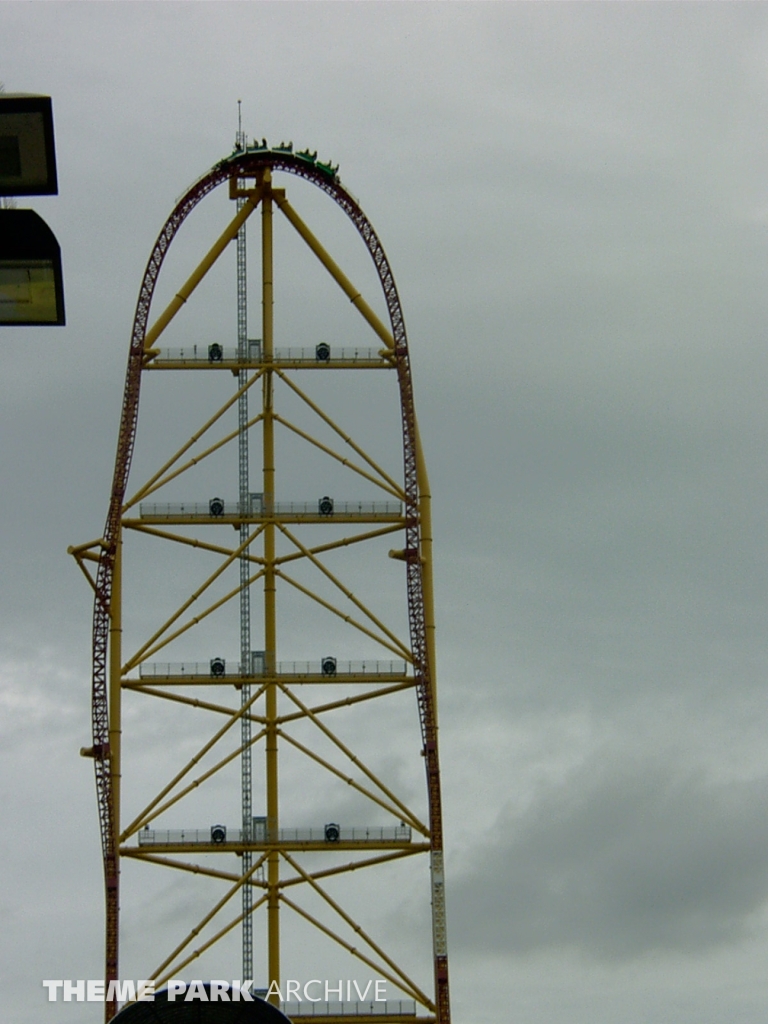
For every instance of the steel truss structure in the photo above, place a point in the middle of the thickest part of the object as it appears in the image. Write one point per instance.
(271, 696)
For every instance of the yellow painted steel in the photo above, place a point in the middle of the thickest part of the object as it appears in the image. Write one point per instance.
(308, 679)
(346, 702)
(162, 361)
(193, 542)
(355, 865)
(221, 243)
(198, 458)
(382, 971)
(86, 550)
(274, 687)
(147, 812)
(193, 702)
(313, 756)
(234, 888)
(403, 808)
(236, 518)
(176, 970)
(344, 542)
(270, 611)
(79, 561)
(336, 272)
(398, 650)
(425, 517)
(147, 649)
(339, 458)
(395, 487)
(168, 862)
(345, 590)
(405, 982)
(150, 484)
(295, 846)
(195, 784)
(139, 687)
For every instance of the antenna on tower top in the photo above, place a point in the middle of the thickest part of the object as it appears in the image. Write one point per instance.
(240, 137)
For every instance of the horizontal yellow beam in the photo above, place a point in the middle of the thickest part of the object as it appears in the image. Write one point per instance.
(297, 846)
(353, 679)
(234, 365)
(78, 549)
(235, 519)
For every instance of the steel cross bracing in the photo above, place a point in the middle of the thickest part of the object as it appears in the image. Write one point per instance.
(108, 676)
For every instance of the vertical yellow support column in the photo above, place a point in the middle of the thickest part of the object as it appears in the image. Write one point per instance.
(425, 520)
(115, 691)
(270, 629)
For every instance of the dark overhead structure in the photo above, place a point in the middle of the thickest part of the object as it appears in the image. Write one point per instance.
(31, 284)
(201, 1011)
(31, 281)
(27, 150)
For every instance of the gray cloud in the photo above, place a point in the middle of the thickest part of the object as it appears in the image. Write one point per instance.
(623, 858)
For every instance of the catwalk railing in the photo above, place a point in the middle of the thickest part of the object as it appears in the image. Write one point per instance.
(322, 354)
(373, 1008)
(218, 668)
(218, 835)
(217, 508)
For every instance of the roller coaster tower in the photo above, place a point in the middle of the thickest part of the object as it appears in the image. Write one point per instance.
(205, 715)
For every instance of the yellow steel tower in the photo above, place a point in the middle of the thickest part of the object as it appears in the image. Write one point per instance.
(331, 726)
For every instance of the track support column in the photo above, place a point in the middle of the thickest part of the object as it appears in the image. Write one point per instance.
(270, 611)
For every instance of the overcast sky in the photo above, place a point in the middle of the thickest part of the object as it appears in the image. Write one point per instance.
(574, 201)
